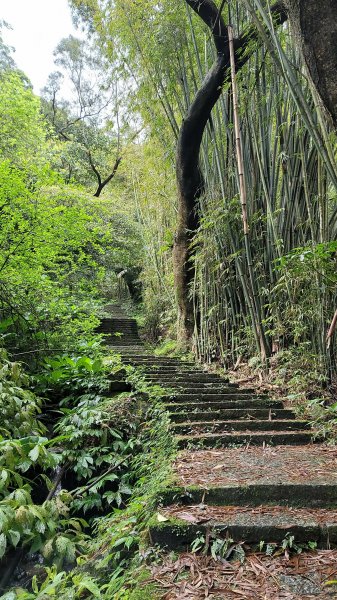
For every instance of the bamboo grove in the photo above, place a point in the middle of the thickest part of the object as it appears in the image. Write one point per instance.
(271, 290)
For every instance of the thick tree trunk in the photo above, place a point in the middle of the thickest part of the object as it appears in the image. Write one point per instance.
(189, 176)
(315, 24)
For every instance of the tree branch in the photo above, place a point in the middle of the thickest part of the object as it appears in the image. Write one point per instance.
(94, 169)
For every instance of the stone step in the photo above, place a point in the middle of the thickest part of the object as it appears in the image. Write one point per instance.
(218, 440)
(121, 339)
(293, 475)
(201, 427)
(167, 370)
(135, 354)
(178, 379)
(155, 365)
(231, 414)
(125, 330)
(137, 344)
(226, 388)
(308, 495)
(120, 322)
(270, 524)
(119, 333)
(188, 374)
(123, 336)
(154, 362)
(225, 395)
(116, 327)
(168, 359)
(115, 343)
(116, 319)
(245, 404)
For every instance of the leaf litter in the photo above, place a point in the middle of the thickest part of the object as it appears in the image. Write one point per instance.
(279, 464)
(286, 515)
(260, 577)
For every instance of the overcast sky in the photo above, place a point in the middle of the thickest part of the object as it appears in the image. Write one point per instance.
(38, 26)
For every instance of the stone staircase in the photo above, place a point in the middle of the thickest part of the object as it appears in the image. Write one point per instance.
(247, 467)
(119, 330)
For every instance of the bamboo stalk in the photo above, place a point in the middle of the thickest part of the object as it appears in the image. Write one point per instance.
(238, 143)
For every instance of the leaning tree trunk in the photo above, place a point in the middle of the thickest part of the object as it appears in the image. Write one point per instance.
(315, 24)
(189, 177)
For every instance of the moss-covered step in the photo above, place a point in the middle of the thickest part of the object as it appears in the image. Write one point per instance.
(218, 440)
(268, 524)
(201, 427)
(231, 414)
(311, 494)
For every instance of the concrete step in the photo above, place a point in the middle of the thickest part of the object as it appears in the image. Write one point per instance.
(288, 475)
(231, 414)
(246, 404)
(201, 427)
(115, 344)
(179, 379)
(218, 440)
(308, 495)
(122, 340)
(138, 344)
(225, 395)
(270, 524)
(155, 362)
(152, 370)
(213, 389)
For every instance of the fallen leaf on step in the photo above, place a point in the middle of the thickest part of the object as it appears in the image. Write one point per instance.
(161, 518)
(186, 516)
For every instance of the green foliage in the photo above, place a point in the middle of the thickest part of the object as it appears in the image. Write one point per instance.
(323, 417)
(115, 446)
(287, 546)
(58, 245)
(23, 523)
(68, 376)
(22, 127)
(77, 585)
(19, 407)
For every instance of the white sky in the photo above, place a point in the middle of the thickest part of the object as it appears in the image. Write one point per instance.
(38, 26)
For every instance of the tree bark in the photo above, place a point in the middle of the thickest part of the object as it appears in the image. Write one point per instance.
(315, 24)
(189, 177)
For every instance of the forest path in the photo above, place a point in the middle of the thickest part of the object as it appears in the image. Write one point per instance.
(247, 469)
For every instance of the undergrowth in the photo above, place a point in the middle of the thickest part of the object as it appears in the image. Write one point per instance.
(113, 452)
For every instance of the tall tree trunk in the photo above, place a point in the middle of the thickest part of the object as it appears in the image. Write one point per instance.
(189, 177)
(315, 24)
